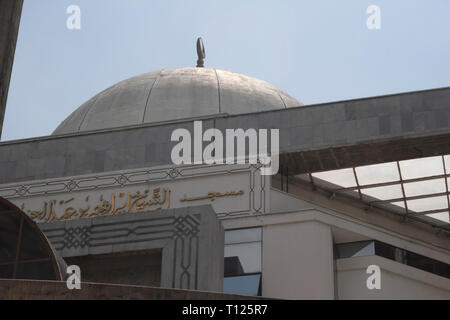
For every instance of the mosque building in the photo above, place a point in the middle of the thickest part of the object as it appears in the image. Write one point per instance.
(359, 208)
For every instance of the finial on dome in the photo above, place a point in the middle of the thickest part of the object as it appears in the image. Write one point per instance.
(201, 53)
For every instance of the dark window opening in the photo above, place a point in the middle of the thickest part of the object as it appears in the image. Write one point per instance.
(242, 265)
(374, 247)
(24, 251)
(141, 268)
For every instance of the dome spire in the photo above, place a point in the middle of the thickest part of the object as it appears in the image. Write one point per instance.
(201, 53)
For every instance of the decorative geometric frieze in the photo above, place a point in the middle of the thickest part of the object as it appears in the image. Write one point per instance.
(77, 237)
(186, 226)
(256, 188)
(177, 232)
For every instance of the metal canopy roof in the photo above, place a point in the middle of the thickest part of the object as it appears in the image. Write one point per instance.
(417, 189)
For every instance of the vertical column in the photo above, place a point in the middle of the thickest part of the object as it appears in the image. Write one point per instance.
(298, 261)
(10, 12)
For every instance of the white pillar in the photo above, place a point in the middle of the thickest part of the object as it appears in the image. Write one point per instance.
(298, 261)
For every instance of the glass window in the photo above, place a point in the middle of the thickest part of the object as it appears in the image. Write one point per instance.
(31, 246)
(422, 167)
(248, 285)
(356, 249)
(373, 247)
(378, 173)
(424, 187)
(386, 251)
(6, 271)
(24, 250)
(343, 177)
(36, 270)
(248, 255)
(384, 193)
(9, 235)
(427, 204)
(243, 235)
(242, 269)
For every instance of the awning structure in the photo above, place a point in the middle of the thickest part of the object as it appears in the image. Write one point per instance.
(25, 252)
(416, 189)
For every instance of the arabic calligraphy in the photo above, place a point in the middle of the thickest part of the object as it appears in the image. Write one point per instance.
(213, 195)
(121, 203)
(52, 210)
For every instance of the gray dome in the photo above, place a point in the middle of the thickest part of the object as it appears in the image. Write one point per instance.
(173, 94)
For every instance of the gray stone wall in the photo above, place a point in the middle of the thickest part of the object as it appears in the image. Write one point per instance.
(52, 290)
(139, 268)
(191, 240)
(312, 138)
(10, 12)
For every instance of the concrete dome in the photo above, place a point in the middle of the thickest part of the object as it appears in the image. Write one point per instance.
(173, 94)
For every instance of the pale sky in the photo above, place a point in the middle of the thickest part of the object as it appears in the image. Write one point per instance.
(317, 51)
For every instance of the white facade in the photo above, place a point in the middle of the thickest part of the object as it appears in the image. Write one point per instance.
(299, 233)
